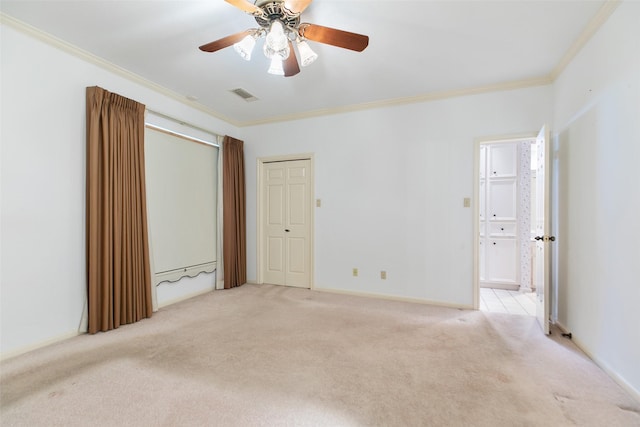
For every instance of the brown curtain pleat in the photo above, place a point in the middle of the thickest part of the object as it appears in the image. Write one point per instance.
(119, 277)
(234, 217)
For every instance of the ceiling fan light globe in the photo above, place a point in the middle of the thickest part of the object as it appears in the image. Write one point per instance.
(276, 67)
(307, 55)
(276, 38)
(281, 54)
(245, 46)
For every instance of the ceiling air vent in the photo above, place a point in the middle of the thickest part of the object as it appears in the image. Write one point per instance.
(244, 94)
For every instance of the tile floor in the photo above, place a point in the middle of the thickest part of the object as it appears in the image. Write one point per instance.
(511, 302)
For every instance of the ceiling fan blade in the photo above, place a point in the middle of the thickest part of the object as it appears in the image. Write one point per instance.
(326, 35)
(224, 42)
(297, 6)
(290, 65)
(245, 5)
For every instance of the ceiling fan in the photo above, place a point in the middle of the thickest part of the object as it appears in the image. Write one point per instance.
(279, 24)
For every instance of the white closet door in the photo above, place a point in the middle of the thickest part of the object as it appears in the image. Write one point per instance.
(274, 223)
(503, 255)
(498, 251)
(503, 160)
(287, 223)
(502, 203)
(298, 220)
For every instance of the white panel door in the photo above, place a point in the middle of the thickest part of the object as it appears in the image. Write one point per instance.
(503, 262)
(298, 219)
(287, 223)
(274, 222)
(503, 198)
(483, 199)
(543, 239)
(503, 160)
(498, 212)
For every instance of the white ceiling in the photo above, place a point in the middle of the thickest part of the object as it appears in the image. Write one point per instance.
(416, 48)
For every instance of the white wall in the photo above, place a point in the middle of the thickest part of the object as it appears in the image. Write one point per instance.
(392, 183)
(43, 276)
(597, 116)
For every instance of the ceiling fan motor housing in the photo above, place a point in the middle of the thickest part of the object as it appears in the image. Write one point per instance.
(275, 10)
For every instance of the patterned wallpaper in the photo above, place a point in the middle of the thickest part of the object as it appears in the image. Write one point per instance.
(524, 212)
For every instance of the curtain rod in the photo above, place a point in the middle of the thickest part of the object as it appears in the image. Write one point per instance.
(182, 135)
(182, 122)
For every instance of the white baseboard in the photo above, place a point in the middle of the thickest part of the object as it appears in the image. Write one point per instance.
(35, 346)
(603, 365)
(394, 298)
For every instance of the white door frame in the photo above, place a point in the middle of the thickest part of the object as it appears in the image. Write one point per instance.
(476, 205)
(260, 258)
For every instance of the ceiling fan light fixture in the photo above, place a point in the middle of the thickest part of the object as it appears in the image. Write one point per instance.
(279, 24)
(307, 55)
(245, 46)
(276, 38)
(276, 67)
(281, 54)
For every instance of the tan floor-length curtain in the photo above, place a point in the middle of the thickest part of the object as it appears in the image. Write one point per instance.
(119, 278)
(234, 216)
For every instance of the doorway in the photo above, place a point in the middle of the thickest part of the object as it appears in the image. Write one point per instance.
(285, 221)
(505, 216)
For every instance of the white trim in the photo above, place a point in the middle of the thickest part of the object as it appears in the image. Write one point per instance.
(394, 298)
(35, 346)
(592, 27)
(617, 378)
(259, 208)
(434, 96)
(102, 63)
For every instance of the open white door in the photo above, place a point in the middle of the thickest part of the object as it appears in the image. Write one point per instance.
(542, 229)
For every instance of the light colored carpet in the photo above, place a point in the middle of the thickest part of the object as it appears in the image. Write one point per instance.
(263, 355)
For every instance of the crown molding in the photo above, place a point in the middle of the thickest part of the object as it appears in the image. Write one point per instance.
(102, 63)
(592, 27)
(433, 96)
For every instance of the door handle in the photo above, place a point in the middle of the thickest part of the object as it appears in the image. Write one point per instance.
(287, 230)
(550, 238)
(539, 238)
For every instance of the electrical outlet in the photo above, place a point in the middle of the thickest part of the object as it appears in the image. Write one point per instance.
(355, 272)
(467, 202)
(383, 275)
(318, 203)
